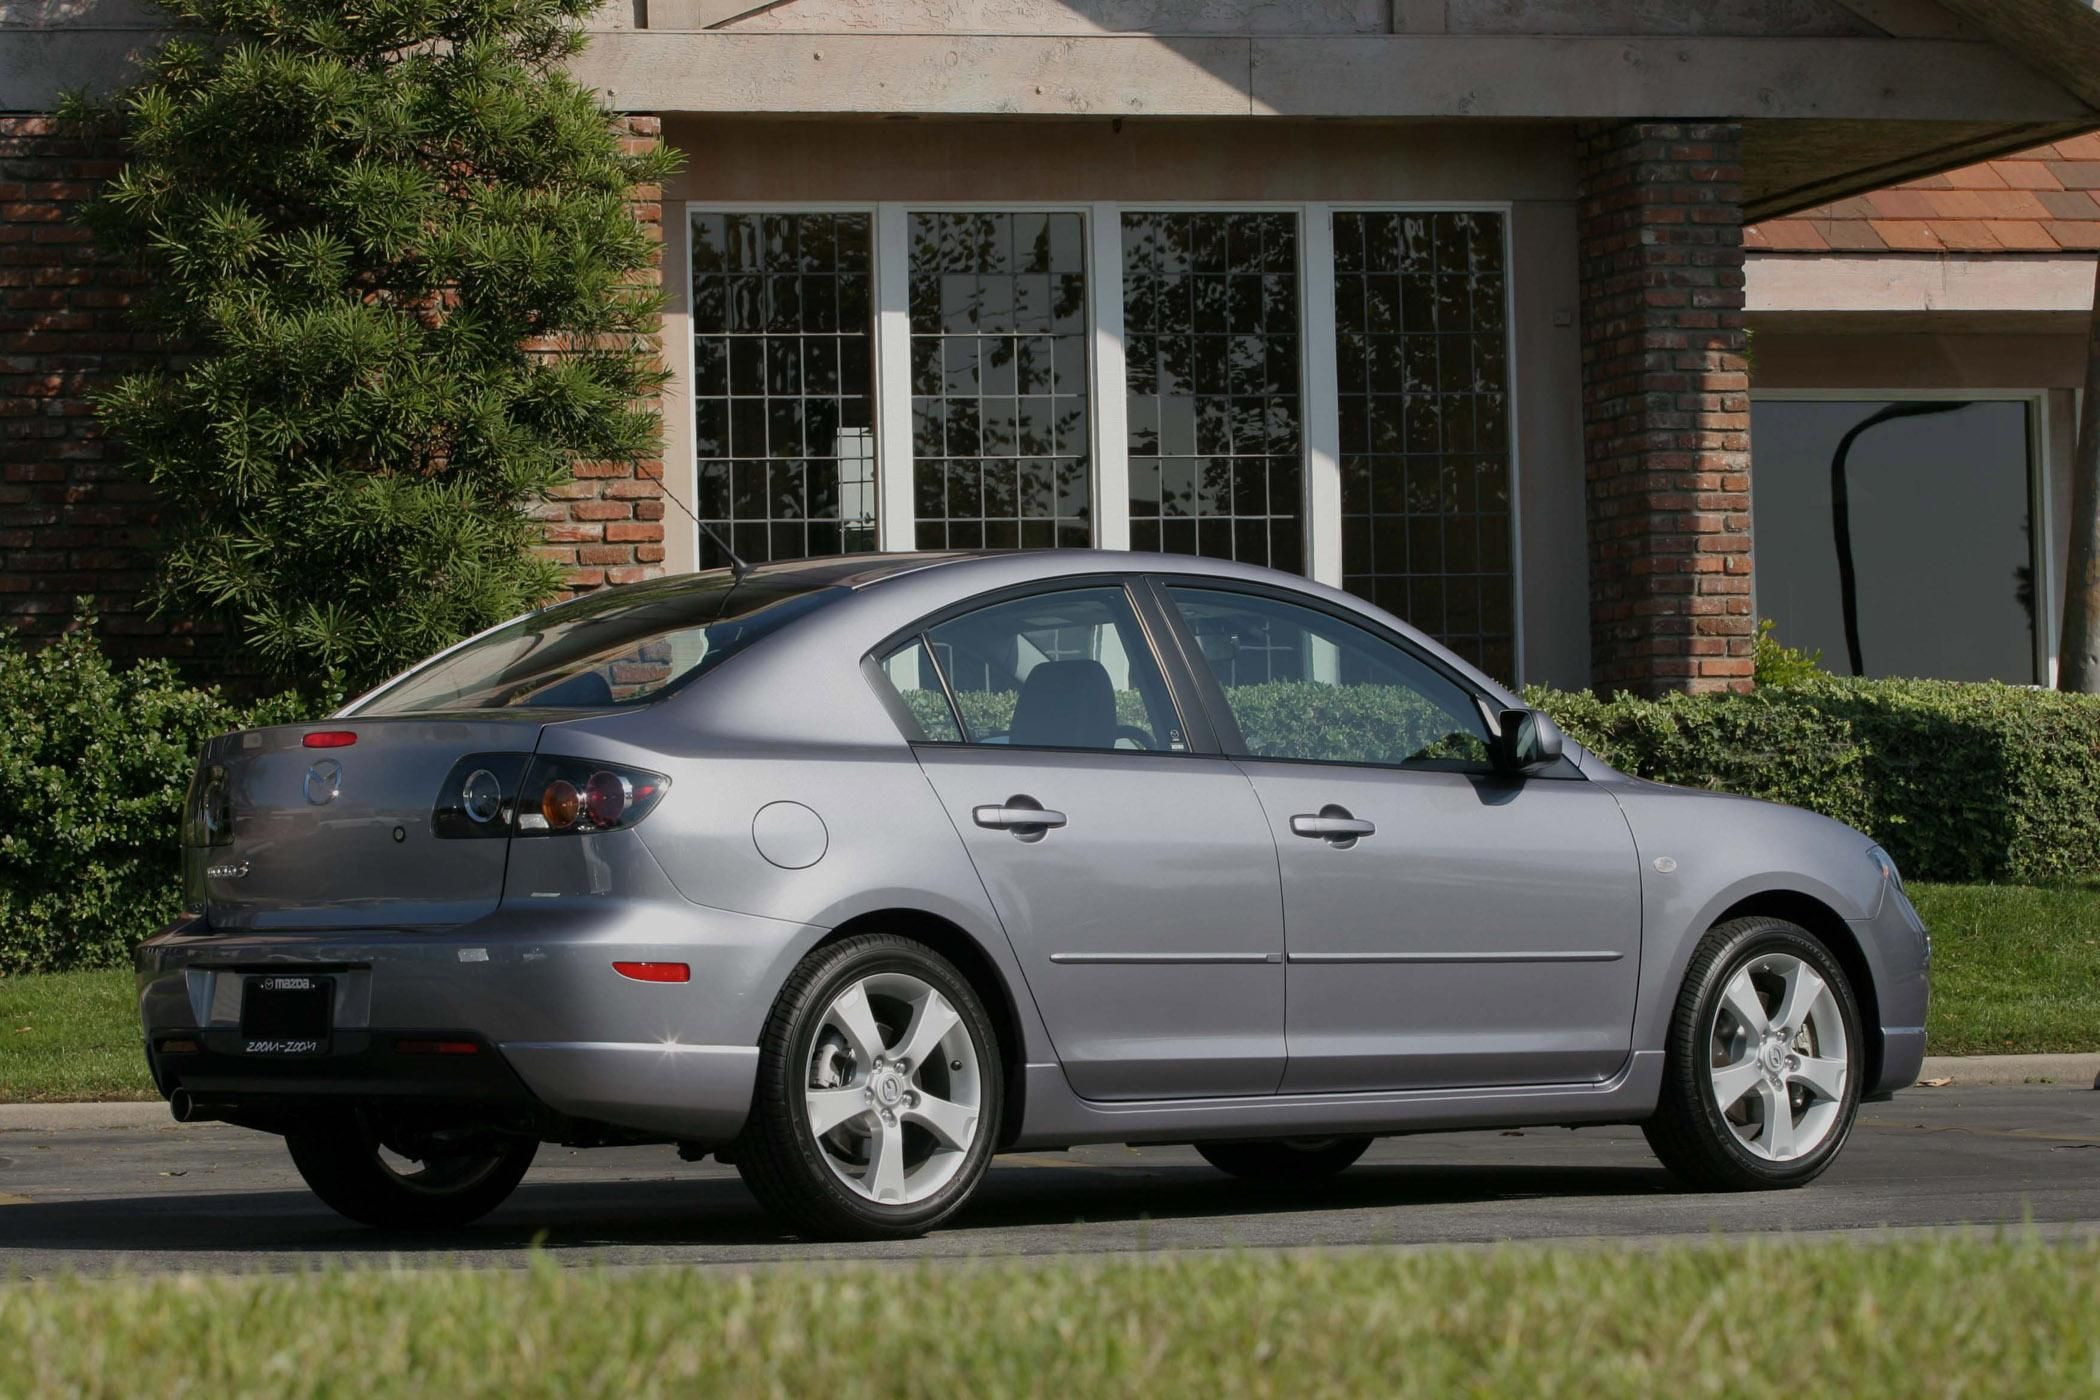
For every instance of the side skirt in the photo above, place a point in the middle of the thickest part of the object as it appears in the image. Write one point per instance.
(1059, 1118)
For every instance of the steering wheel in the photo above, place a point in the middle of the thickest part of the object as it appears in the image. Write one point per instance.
(1142, 738)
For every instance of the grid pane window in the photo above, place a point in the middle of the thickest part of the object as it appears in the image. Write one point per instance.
(1423, 370)
(998, 305)
(783, 410)
(1211, 325)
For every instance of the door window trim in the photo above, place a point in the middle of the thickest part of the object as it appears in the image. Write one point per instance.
(1199, 739)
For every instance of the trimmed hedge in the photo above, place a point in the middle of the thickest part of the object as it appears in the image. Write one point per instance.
(94, 763)
(1960, 782)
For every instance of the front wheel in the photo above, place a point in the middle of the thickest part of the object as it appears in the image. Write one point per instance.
(1762, 1078)
(1285, 1159)
(407, 1184)
(879, 1093)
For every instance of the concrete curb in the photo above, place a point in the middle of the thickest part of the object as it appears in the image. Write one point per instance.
(1959, 1069)
(2013, 1069)
(83, 1117)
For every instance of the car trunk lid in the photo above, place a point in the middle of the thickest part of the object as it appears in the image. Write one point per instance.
(340, 836)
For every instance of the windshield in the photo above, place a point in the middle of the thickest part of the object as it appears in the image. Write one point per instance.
(623, 646)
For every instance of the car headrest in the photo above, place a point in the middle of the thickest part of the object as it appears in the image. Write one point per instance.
(1066, 705)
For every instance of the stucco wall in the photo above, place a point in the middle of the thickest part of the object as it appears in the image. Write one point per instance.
(1530, 167)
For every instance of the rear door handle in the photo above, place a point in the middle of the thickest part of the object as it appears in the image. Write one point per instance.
(1334, 824)
(1023, 816)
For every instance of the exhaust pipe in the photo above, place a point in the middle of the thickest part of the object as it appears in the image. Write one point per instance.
(187, 1110)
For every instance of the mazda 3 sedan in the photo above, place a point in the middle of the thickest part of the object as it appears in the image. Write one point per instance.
(854, 873)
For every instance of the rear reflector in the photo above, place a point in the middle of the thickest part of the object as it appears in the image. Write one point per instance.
(654, 972)
(330, 739)
(178, 1047)
(436, 1047)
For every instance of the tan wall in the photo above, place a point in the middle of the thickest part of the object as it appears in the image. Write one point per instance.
(1529, 167)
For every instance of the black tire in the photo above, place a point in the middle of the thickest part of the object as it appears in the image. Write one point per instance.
(779, 1157)
(1285, 1160)
(341, 1162)
(1689, 1131)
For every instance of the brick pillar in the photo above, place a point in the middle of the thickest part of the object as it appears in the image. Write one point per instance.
(1666, 407)
(607, 526)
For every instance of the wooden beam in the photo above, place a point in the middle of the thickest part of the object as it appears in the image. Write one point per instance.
(1363, 76)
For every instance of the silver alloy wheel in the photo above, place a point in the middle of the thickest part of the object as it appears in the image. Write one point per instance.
(893, 1089)
(1780, 1058)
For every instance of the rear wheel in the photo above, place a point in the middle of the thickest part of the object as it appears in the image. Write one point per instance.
(1285, 1159)
(1762, 1080)
(393, 1180)
(879, 1092)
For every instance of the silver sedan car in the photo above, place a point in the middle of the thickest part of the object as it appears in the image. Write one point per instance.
(856, 872)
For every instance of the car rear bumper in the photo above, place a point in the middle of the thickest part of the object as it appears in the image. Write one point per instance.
(556, 1032)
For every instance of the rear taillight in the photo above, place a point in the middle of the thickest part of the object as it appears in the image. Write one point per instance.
(479, 797)
(515, 794)
(565, 795)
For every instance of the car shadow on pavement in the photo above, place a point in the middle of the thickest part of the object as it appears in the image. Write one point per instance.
(274, 1226)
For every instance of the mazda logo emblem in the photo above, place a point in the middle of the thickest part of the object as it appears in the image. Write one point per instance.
(324, 781)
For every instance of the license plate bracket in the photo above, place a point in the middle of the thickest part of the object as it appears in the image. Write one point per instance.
(287, 1014)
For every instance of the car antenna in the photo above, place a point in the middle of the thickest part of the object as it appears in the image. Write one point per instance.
(737, 567)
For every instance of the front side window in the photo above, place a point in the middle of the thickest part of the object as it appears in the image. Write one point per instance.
(1068, 670)
(783, 410)
(1307, 686)
(999, 381)
(622, 646)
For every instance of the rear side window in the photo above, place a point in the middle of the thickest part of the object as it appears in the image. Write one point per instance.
(1062, 670)
(624, 646)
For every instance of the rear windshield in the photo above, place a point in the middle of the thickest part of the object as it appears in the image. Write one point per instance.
(623, 646)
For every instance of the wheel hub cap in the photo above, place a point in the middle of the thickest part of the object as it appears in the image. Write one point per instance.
(893, 1090)
(1780, 1058)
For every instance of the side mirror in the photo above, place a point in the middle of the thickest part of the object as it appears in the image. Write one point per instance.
(1530, 740)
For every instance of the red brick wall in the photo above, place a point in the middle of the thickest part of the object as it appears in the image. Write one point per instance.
(1666, 407)
(608, 524)
(70, 522)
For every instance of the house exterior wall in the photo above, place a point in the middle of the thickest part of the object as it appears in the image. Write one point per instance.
(71, 523)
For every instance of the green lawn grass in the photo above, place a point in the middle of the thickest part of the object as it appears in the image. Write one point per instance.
(1762, 1319)
(70, 1036)
(2015, 971)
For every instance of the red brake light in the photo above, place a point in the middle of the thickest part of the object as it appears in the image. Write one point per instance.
(654, 972)
(436, 1047)
(605, 797)
(330, 739)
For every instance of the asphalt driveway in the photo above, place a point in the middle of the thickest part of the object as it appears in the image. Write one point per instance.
(212, 1197)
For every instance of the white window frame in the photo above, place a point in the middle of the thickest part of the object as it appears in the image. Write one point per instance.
(1107, 388)
(2041, 511)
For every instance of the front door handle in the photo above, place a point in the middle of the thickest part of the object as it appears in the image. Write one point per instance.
(1025, 817)
(1332, 823)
